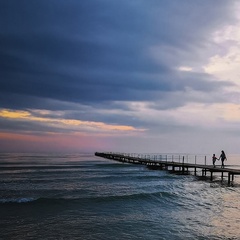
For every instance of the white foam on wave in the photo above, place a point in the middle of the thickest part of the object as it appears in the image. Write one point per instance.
(17, 200)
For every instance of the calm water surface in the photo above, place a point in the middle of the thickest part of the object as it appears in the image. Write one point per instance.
(83, 197)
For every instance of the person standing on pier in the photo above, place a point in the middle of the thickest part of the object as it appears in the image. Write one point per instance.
(214, 158)
(223, 158)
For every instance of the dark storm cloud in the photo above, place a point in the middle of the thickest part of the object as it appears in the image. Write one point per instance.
(93, 52)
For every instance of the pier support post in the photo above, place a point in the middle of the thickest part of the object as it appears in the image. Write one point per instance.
(229, 177)
(183, 165)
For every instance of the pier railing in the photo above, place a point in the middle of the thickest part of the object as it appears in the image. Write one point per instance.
(204, 159)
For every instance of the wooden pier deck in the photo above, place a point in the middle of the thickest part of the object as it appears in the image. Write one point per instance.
(177, 167)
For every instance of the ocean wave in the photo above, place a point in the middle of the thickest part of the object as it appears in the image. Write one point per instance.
(110, 198)
(137, 196)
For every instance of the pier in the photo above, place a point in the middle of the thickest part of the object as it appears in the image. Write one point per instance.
(163, 162)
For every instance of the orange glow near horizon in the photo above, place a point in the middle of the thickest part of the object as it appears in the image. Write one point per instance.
(65, 123)
(14, 114)
(61, 135)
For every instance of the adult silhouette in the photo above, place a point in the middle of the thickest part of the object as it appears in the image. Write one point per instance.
(223, 158)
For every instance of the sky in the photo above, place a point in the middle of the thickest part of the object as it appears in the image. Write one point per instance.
(152, 76)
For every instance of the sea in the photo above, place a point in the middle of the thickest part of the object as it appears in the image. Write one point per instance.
(81, 196)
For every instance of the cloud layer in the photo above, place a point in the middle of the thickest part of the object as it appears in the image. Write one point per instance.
(111, 64)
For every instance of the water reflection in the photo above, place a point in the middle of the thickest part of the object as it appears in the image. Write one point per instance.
(227, 221)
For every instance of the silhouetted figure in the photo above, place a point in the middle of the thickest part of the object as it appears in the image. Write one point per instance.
(214, 158)
(223, 158)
